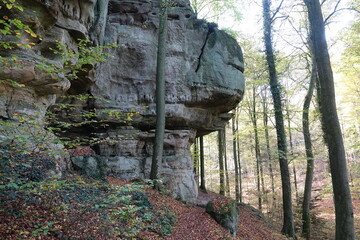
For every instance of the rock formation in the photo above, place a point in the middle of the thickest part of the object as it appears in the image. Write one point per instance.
(204, 81)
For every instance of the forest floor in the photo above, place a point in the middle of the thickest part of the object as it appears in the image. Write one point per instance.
(324, 213)
(193, 223)
(76, 207)
(33, 206)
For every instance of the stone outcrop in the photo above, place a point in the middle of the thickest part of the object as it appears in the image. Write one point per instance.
(225, 212)
(204, 81)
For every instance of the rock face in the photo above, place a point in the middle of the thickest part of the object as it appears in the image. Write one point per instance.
(204, 81)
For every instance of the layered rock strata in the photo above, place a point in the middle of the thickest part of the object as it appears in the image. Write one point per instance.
(204, 81)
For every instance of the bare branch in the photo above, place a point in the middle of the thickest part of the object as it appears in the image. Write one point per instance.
(333, 12)
(326, 21)
(323, 1)
(276, 11)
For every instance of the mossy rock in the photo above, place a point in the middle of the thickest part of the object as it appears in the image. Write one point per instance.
(225, 212)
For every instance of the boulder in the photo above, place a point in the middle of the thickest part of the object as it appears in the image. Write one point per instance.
(225, 212)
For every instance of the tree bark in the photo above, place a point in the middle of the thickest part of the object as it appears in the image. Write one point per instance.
(237, 191)
(202, 165)
(292, 150)
(268, 151)
(288, 220)
(221, 164)
(306, 228)
(227, 181)
(160, 94)
(253, 117)
(239, 160)
(330, 123)
(196, 158)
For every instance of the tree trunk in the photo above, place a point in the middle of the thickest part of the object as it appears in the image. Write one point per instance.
(306, 228)
(288, 220)
(292, 150)
(239, 160)
(202, 165)
(330, 123)
(227, 186)
(268, 151)
(253, 116)
(160, 94)
(221, 164)
(196, 158)
(237, 192)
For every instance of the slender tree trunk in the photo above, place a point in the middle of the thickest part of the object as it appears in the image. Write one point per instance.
(160, 94)
(330, 123)
(202, 165)
(196, 157)
(268, 151)
(263, 182)
(288, 219)
(237, 192)
(257, 146)
(292, 150)
(239, 161)
(221, 164)
(306, 228)
(227, 186)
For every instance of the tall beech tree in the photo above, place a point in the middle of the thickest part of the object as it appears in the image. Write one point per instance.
(288, 219)
(330, 124)
(306, 228)
(160, 92)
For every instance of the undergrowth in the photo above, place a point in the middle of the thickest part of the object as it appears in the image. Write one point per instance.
(72, 207)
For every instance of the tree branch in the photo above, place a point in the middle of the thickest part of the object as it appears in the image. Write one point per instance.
(333, 12)
(323, 1)
(276, 11)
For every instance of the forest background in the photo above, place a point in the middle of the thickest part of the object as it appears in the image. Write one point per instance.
(251, 137)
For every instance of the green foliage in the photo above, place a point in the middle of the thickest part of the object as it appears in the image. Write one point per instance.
(26, 135)
(15, 27)
(213, 10)
(72, 62)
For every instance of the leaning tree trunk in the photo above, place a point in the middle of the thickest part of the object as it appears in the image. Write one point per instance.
(306, 228)
(288, 220)
(160, 94)
(330, 124)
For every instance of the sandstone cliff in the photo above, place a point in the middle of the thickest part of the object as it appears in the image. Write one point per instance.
(204, 81)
